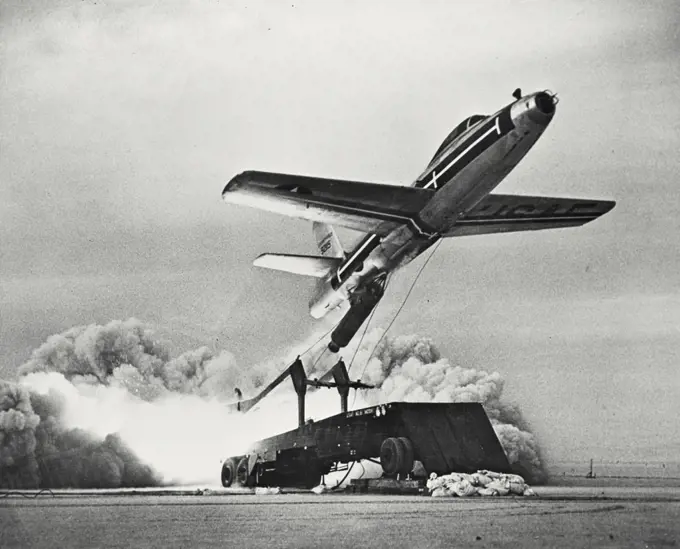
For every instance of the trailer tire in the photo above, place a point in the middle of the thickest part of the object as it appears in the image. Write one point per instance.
(407, 463)
(242, 474)
(392, 456)
(229, 472)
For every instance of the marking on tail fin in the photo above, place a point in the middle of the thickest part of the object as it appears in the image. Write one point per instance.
(327, 241)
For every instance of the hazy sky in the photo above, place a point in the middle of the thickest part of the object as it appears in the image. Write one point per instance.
(120, 122)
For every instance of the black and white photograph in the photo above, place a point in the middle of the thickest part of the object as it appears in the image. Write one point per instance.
(339, 273)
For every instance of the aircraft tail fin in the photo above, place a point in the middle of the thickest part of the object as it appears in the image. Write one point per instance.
(307, 265)
(327, 240)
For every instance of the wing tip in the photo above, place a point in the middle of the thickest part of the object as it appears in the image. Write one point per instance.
(609, 205)
(606, 206)
(235, 182)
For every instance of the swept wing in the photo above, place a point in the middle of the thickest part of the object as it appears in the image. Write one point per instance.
(379, 208)
(367, 207)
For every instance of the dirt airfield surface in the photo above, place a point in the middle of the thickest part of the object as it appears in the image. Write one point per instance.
(577, 516)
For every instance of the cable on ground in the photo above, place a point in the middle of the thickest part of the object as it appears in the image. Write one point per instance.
(345, 477)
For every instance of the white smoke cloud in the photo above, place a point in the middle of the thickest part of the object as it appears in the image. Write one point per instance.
(131, 415)
(183, 436)
(410, 368)
(118, 379)
(102, 391)
(38, 449)
(18, 422)
(127, 354)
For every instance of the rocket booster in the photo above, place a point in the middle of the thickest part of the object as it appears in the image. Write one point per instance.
(362, 303)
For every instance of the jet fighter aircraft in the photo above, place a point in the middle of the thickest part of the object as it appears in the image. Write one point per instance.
(452, 197)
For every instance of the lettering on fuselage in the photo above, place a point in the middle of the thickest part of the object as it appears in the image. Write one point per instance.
(467, 150)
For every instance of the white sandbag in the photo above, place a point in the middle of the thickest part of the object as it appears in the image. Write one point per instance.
(491, 474)
(443, 481)
(440, 492)
(517, 488)
(466, 477)
(501, 487)
(463, 488)
(452, 477)
(479, 479)
(435, 483)
(483, 482)
(262, 491)
(320, 489)
(514, 478)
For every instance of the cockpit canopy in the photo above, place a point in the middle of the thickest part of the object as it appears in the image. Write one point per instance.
(458, 130)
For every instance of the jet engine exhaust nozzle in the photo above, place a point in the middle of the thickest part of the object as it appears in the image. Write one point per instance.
(545, 102)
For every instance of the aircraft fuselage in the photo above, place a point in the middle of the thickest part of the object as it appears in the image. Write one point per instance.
(462, 173)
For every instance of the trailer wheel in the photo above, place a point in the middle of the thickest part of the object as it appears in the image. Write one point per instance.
(407, 463)
(392, 455)
(242, 476)
(229, 472)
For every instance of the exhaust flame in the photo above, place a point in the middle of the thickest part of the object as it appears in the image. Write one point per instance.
(106, 406)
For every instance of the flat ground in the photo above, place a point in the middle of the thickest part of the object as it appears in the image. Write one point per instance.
(641, 517)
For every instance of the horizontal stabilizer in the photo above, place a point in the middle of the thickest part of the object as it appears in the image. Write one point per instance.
(307, 265)
(503, 213)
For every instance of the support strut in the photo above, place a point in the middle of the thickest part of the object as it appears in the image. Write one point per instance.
(297, 374)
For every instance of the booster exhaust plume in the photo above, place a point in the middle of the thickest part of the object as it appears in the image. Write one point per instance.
(106, 406)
